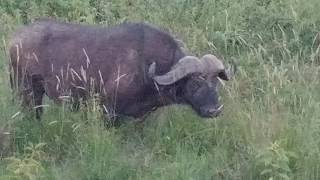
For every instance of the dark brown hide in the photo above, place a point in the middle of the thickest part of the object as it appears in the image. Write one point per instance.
(62, 59)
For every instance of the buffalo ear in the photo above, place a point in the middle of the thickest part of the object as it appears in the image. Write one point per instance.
(224, 75)
(228, 73)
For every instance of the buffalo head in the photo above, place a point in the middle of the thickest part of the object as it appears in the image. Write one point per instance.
(201, 79)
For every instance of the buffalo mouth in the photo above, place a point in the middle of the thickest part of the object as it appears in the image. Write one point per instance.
(210, 112)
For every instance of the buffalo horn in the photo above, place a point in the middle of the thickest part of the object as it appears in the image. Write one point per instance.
(208, 65)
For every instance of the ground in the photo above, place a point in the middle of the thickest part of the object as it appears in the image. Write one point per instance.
(270, 128)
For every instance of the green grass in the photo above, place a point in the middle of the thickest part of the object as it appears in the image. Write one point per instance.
(270, 128)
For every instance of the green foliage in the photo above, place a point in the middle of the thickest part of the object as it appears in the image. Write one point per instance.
(275, 162)
(29, 166)
(270, 128)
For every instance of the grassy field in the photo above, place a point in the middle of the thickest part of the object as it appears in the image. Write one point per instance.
(270, 128)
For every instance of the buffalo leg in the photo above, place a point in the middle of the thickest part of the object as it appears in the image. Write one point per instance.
(38, 92)
(25, 93)
(78, 99)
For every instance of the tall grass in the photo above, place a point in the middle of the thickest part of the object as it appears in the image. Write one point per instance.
(270, 128)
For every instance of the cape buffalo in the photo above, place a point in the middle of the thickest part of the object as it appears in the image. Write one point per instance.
(134, 67)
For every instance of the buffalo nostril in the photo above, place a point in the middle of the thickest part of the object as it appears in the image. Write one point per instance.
(211, 111)
(215, 110)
